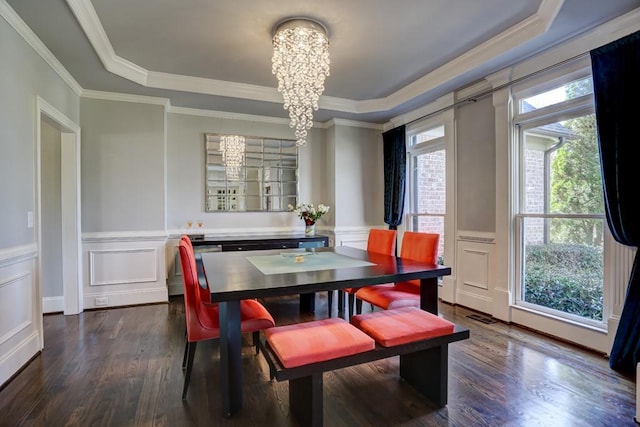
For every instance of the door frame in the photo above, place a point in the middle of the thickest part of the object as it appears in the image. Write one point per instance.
(70, 203)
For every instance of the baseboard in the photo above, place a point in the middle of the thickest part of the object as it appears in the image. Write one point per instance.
(124, 298)
(52, 304)
(476, 302)
(19, 355)
(175, 285)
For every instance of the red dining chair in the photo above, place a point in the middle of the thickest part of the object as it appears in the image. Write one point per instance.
(202, 318)
(415, 246)
(205, 292)
(380, 241)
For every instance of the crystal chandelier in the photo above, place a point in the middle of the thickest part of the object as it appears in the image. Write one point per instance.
(301, 63)
(232, 149)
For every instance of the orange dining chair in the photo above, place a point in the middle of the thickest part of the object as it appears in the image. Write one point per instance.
(380, 241)
(205, 293)
(203, 288)
(202, 318)
(415, 246)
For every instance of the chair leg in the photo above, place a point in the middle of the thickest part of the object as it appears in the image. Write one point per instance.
(256, 340)
(186, 350)
(358, 306)
(330, 301)
(352, 302)
(184, 357)
(340, 300)
(187, 374)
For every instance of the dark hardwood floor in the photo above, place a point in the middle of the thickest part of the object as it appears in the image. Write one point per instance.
(121, 367)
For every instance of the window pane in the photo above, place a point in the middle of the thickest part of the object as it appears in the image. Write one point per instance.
(574, 89)
(562, 168)
(563, 265)
(428, 135)
(430, 183)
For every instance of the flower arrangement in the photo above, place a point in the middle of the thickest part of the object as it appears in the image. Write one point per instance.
(309, 213)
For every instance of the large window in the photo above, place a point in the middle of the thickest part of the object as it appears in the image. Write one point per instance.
(428, 183)
(560, 211)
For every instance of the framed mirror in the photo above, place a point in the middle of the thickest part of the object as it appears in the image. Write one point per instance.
(250, 174)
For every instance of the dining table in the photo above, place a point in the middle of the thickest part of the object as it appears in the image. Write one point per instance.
(234, 276)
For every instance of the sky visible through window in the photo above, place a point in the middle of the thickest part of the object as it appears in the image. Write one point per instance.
(548, 98)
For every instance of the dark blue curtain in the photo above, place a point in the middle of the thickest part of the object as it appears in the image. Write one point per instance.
(395, 175)
(616, 82)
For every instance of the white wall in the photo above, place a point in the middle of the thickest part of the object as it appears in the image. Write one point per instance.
(51, 211)
(123, 166)
(359, 177)
(355, 167)
(123, 202)
(186, 179)
(476, 168)
(24, 76)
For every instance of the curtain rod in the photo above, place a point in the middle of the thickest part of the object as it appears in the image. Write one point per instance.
(488, 92)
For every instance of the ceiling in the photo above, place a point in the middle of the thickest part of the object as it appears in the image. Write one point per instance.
(387, 58)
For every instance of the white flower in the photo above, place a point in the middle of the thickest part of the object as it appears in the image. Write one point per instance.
(308, 212)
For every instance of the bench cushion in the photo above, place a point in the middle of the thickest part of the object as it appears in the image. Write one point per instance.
(402, 325)
(316, 341)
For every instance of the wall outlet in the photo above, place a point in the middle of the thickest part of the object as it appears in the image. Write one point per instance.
(100, 301)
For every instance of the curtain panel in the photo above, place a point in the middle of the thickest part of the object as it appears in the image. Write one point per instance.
(616, 81)
(395, 165)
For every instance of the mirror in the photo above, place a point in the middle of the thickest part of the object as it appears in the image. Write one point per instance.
(246, 173)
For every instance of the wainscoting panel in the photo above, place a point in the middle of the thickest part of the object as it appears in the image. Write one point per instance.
(20, 320)
(16, 294)
(124, 269)
(118, 266)
(475, 276)
(355, 237)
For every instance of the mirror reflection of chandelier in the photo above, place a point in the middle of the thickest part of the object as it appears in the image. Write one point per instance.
(232, 148)
(301, 64)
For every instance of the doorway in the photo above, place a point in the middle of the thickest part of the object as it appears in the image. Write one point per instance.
(60, 211)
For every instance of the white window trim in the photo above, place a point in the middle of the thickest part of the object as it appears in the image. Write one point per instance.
(447, 291)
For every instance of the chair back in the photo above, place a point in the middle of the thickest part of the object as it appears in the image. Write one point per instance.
(382, 241)
(420, 246)
(189, 280)
(197, 318)
(205, 293)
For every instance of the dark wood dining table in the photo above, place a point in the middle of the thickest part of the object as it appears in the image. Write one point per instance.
(233, 277)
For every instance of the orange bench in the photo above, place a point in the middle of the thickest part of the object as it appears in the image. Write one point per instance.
(301, 353)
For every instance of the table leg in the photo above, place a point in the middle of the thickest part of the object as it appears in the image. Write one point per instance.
(429, 295)
(308, 303)
(230, 357)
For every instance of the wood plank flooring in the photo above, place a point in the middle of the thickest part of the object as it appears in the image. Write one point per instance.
(121, 367)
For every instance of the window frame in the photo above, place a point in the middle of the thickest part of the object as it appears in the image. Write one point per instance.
(522, 122)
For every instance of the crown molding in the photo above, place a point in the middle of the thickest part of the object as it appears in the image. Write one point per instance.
(351, 123)
(36, 44)
(530, 27)
(227, 115)
(125, 97)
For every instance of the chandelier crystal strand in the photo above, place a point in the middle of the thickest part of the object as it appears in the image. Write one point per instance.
(232, 148)
(301, 64)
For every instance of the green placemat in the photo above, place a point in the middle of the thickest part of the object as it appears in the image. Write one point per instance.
(286, 262)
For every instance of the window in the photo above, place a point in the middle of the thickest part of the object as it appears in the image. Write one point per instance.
(560, 228)
(428, 187)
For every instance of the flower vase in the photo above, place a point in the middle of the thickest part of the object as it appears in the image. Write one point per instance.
(310, 229)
